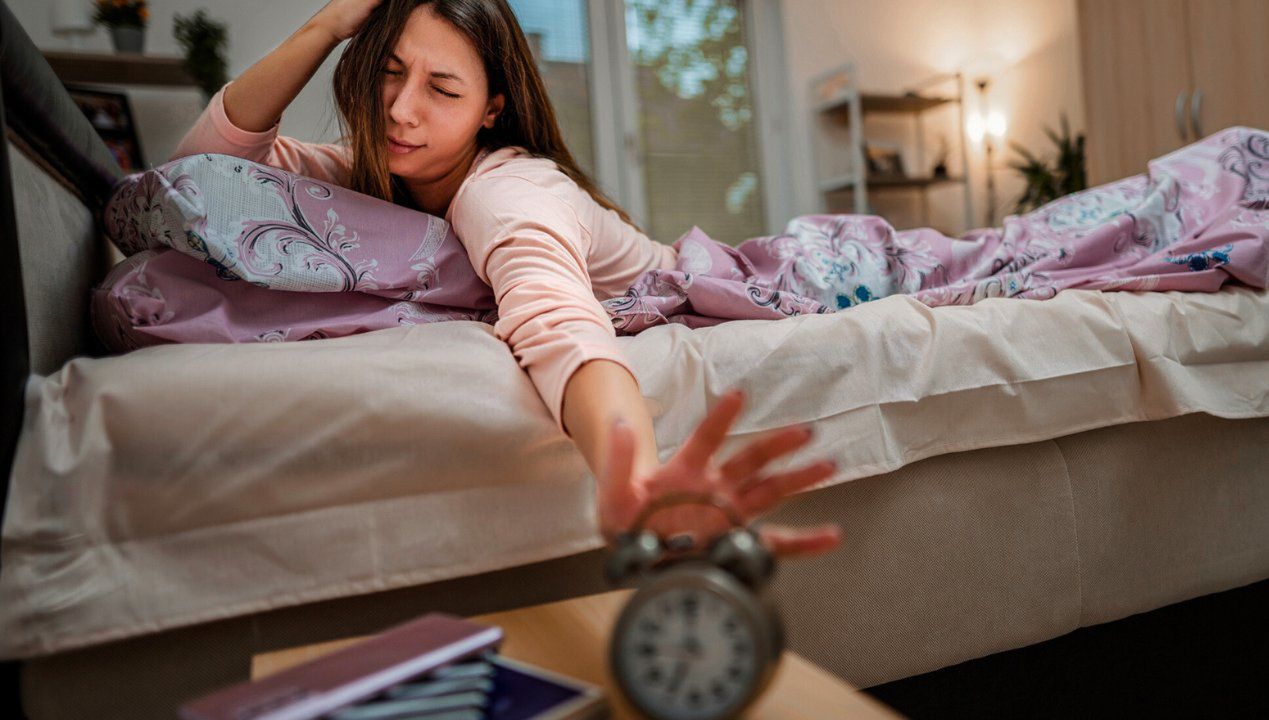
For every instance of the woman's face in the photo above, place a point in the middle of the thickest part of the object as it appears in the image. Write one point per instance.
(435, 98)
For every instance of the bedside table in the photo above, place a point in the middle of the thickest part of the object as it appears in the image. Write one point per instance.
(571, 637)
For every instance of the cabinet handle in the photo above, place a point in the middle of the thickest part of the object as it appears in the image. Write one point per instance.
(1179, 114)
(1196, 109)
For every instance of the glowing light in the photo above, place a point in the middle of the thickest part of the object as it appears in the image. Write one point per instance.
(975, 127)
(996, 124)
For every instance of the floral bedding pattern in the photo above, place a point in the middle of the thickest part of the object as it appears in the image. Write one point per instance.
(1198, 219)
(199, 270)
(204, 271)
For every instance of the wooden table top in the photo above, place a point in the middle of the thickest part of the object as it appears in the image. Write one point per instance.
(570, 637)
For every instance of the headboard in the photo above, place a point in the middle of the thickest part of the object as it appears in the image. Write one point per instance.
(55, 175)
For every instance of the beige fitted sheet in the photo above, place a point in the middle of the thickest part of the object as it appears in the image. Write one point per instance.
(181, 484)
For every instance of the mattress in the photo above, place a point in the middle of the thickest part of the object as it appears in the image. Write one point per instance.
(186, 483)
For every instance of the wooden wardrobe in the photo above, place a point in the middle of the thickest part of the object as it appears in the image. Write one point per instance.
(1160, 74)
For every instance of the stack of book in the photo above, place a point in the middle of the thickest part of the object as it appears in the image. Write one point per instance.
(438, 667)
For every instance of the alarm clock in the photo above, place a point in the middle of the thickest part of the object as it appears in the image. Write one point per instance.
(699, 639)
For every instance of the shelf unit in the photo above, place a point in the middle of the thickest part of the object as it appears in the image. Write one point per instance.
(851, 106)
(119, 68)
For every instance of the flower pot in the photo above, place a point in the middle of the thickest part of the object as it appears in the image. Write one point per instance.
(128, 38)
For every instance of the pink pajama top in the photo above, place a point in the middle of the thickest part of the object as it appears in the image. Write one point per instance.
(548, 250)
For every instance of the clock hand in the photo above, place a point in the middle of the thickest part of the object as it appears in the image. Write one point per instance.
(691, 646)
(678, 678)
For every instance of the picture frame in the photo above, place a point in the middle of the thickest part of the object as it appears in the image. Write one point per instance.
(884, 160)
(831, 84)
(110, 114)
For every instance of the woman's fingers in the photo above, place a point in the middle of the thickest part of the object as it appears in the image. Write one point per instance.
(757, 497)
(701, 522)
(783, 541)
(754, 456)
(709, 435)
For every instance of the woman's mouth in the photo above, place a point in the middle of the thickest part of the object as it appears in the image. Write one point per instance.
(400, 148)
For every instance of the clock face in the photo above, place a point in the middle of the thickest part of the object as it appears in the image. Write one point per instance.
(687, 653)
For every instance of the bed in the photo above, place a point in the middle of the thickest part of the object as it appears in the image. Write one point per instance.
(1010, 470)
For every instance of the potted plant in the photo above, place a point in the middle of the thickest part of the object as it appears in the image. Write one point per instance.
(126, 20)
(204, 41)
(1044, 183)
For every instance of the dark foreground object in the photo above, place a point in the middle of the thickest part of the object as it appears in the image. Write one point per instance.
(1206, 657)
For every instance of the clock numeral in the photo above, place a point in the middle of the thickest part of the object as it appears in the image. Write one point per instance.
(690, 605)
(689, 648)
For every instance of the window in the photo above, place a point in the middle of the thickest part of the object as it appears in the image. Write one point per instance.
(656, 101)
(695, 121)
(557, 30)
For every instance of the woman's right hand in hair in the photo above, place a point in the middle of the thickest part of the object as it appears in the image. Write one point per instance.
(256, 99)
(343, 18)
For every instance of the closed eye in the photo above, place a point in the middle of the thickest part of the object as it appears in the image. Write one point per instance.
(446, 94)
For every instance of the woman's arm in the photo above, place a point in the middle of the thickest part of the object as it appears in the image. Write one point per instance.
(256, 99)
(268, 87)
(527, 243)
(243, 117)
(597, 394)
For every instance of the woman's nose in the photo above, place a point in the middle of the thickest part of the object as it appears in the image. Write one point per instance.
(404, 109)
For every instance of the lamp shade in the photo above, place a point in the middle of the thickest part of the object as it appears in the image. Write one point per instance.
(996, 123)
(976, 127)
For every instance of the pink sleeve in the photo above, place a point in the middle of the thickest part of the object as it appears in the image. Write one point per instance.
(528, 245)
(214, 133)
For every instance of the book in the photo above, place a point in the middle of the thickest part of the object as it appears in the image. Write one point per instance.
(437, 666)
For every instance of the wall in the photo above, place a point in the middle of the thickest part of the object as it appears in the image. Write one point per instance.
(255, 28)
(1029, 47)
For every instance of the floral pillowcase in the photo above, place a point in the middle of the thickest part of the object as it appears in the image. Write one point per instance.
(191, 223)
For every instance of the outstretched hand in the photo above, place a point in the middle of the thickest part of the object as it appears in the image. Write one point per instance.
(739, 481)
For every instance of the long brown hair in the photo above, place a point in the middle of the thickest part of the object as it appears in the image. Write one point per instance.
(527, 118)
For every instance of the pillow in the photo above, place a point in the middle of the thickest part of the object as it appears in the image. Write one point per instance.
(352, 262)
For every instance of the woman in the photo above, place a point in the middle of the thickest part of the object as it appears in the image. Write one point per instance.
(443, 111)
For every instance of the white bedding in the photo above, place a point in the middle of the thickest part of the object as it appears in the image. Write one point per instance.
(186, 483)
